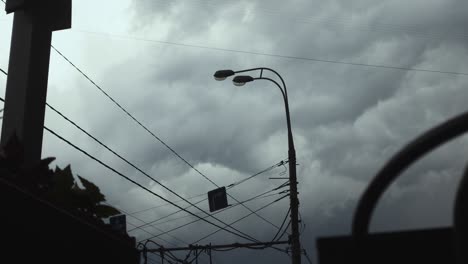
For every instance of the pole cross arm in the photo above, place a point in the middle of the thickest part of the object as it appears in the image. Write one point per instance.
(56, 14)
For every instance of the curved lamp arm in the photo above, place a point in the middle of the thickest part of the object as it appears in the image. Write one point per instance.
(261, 69)
(286, 106)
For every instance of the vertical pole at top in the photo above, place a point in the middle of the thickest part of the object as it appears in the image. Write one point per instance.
(28, 71)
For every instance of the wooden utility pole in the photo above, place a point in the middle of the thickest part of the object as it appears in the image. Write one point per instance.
(28, 70)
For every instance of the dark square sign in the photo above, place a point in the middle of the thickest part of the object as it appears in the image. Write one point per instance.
(217, 199)
(118, 223)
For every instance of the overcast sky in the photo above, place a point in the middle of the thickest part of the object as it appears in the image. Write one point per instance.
(157, 58)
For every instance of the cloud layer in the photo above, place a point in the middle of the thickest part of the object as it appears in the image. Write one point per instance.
(347, 119)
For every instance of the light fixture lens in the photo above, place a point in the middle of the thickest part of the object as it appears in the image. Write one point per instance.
(221, 75)
(242, 79)
(238, 83)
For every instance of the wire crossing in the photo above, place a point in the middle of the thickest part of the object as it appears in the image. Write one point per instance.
(242, 218)
(240, 234)
(153, 223)
(231, 186)
(131, 164)
(156, 222)
(217, 212)
(156, 137)
(139, 219)
(134, 166)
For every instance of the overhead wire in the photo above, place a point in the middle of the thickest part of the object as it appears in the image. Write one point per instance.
(189, 164)
(302, 58)
(375, 26)
(167, 253)
(217, 212)
(176, 212)
(168, 215)
(146, 174)
(139, 219)
(242, 218)
(239, 234)
(232, 185)
(166, 204)
(168, 242)
(131, 164)
(230, 207)
(157, 138)
(284, 231)
(307, 256)
(127, 161)
(252, 212)
(154, 223)
(282, 224)
(135, 167)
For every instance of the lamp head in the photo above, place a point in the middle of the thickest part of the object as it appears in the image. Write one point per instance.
(242, 79)
(221, 75)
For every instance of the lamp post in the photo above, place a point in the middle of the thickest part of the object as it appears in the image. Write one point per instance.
(240, 80)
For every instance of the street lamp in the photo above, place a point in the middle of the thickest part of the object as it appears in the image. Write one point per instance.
(241, 80)
(223, 74)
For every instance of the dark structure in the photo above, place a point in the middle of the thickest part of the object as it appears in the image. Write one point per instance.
(28, 69)
(36, 231)
(415, 246)
(47, 218)
(444, 245)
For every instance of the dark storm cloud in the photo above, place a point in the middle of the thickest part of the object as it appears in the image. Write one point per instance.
(348, 120)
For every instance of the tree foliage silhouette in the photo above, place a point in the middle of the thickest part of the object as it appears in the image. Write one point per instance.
(58, 186)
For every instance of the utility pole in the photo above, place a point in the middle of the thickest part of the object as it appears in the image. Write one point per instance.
(28, 70)
(240, 80)
(294, 200)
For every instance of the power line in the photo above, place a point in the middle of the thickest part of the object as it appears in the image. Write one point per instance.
(185, 216)
(232, 185)
(160, 140)
(284, 231)
(126, 213)
(282, 224)
(375, 26)
(217, 212)
(402, 68)
(151, 234)
(281, 163)
(165, 204)
(131, 164)
(152, 223)
(307, 257)
(171, 214)
(227, 225)
(240, 234)
(130, 115)
(242, 218)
